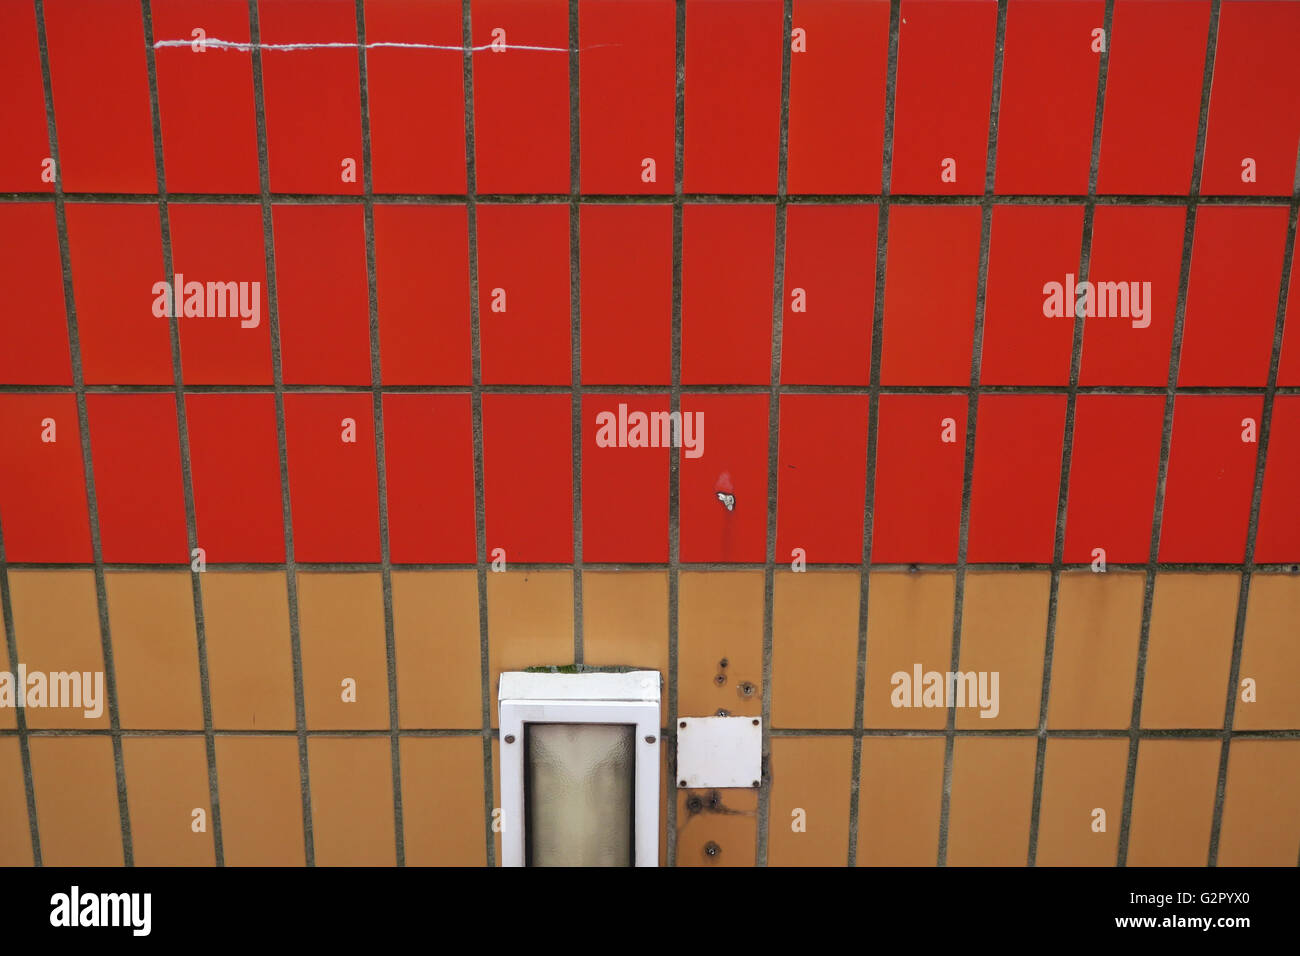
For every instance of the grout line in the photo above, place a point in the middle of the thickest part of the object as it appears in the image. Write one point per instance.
(1239, 632)
(674, 459)
(1166, 438)
(773, 432)
(182, 425)
(20, 713)
(873, 428)
(476, 414)
(575, 324)
(281, 428)
(977, 346)
(83, 425)
(381, 466)
(1067, 445)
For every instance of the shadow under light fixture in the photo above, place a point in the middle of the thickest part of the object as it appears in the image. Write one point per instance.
(579, 768)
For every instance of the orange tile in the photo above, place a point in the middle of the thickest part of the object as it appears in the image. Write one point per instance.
(15, 830)
(809, 809)
(530, 623)
(1004, 631)
(1261, 822)
(155, 650)
(76, 801)
(341, 629)
(1079, 778)
(442, 801)
(1094, 655)
(625, 622)
(167, 781)
(435, 635)
(992, 795)
(352, 801)
(1270, 655)
(1173, 802)
(56, 627)
(899, 801)
(719, 618)
(250, 658)
(496, 799)
(815, 648)
(1189, 651)
(723, 820)
(261, 801)
(8, 714)
(909, 622)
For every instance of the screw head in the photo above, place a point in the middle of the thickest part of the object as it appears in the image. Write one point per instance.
(712, 849)
(681, 783)
(755, 721)
(720, 679)
(756, 784)
(723, 663)
(650, 738)
(682, 725)
(510, 738)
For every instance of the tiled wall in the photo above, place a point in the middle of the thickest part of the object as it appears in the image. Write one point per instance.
(823, 229)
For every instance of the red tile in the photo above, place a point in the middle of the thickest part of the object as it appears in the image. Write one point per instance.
(312, 96)
(1153, 96)
(1288, 370)
(733, 95)
(1211, 478)
(43, 485)
(1113, 469)
(1049, 96)
(416, 150)
(36, 348)
(841, 57)
(727, 263)
(320, 270)
(625, 485)
(734, 462)
(944, 85)
(1277, 537)
(223, 244)
(1254, 75)
(523, 283)
(830, 278)
(528, 476)
(333, 481)
(99, 75)
(235, 469)
(627, 293)
(1134, 244)
(135, 448)
(1236, 271)
(429, 463)
(821, 477)
(22, 111)
(116, 253)
(920, 466)
(521, 96)
(931, 273)
(627, 78)
(422, 280)
(202, 91)
(1017, 477)
(1030, 246)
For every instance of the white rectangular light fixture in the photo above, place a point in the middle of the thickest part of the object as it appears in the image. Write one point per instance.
(579, 768)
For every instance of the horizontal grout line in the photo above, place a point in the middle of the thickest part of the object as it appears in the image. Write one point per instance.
(492, 732)
(594, 389)
(912, 567)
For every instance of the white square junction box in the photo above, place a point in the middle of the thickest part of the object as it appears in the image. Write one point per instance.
(719, 752)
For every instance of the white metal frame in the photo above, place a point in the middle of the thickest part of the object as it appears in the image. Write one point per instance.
(594, 698)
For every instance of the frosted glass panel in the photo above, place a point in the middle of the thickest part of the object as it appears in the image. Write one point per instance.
(579, 794)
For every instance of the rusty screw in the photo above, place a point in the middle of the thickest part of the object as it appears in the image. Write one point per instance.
(682, 725)
(720, 679)
(746, 689)
(695, 804)
(510, 738)
(756, 783)
(650, 738)
(712, 849)
(723, 663)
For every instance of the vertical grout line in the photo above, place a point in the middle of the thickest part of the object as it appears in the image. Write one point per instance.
(575, 323)
(773, 429)
(1248, 566)
(381, 466)
(476, 413)
(675, 407)
(20, 713)
(1067, 445)
(182, 425)
(1166, 436)
(83, 425)
(977, 350)
(281, 428)
(873, 427)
